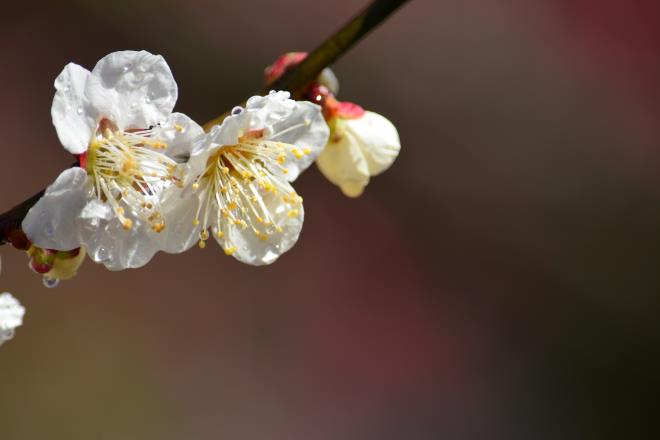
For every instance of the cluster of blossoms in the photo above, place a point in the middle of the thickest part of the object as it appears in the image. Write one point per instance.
(151, 180)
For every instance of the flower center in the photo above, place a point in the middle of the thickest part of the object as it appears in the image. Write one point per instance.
(237, 189)
(128, 171)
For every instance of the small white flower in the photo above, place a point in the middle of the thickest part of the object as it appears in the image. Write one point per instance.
(238, 183)
(11, 316)
(359, 147)
(118, 120)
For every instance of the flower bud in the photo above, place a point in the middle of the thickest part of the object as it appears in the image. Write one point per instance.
(326, 78)
(53, 264)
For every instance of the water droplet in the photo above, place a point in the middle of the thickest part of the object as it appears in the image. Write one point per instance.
(102, 253)
(237, 110)
(126, 68)
(150, 96)
(79, 110)
(272, 92)
(51, 283)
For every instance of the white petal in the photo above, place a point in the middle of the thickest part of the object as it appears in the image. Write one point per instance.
(95, 211)
(179, 132)
(203, 148)
(132, 89)
(11, 316)
(378, 140)
(252, 250)
(50, 222)
(265, 111)
(107, 242)
(260, 112)
(73, 118)
(343, 163)
(231, 128)
(298, 123)
(179, 210)
(305, 129)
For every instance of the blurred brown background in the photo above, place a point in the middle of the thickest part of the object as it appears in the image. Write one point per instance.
(500, 281)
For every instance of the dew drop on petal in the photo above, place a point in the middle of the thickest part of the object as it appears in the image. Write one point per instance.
(126, 68)
(79, 110)
(51, 283)
(102, 253)
(237, 110)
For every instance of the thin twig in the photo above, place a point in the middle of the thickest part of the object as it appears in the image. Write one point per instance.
(296, 79)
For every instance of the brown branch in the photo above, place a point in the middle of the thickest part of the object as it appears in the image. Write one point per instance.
(297, 78)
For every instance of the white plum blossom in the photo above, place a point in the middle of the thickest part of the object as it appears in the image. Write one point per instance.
(118, 120)
(359, 148)
(11, 316)
(238, 182)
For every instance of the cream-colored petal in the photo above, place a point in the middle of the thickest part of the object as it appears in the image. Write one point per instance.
(352, 188)
(74, 119)
(343, 163)
(378, 139)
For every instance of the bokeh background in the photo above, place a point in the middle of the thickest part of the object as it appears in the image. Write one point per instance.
(500, 281)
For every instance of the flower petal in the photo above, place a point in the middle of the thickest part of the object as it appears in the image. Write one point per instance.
(132, 89)
(247, 247)
(74, 119)
(50, 222)
(179, 132)
(378, 140)
(179, 210)
(343, 163)
(107, 242)
(11, 316)
(298, 123)
(305, 129)
(264, 111)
